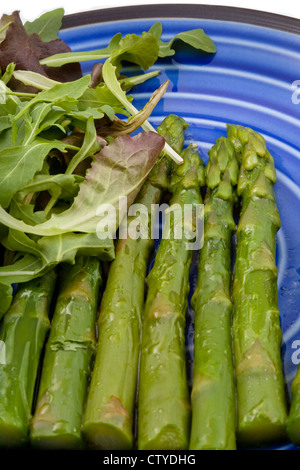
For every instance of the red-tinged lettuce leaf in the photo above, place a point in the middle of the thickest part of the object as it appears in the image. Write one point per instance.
(119, 127)
(96, 75)
(118, 170)
(5, 21)
(26, 50)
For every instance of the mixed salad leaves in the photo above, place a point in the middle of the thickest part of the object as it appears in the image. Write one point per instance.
(65, 140)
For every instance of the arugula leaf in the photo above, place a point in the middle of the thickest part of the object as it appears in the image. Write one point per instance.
(60, 186)
(128, 82)
(6, 77)
(5, 21)
(141, 50)
(79, 118)
(20, 242)
(53, 117)
(119, 127)
(59, 94)
(98, 98)
(33, 121)
(5, 122)
(47, 26)
(93, 102)
(34, 79)
(26, 212)
(89, 147)
(24, 269)
(7, 98)
(110, 78)
(123, 165)
(19, 165)
(58, 60)
(65, 247)
(136, 49)
(60, 248)
(5, 118)
(196, 38)
(109, 72)
(51, 251)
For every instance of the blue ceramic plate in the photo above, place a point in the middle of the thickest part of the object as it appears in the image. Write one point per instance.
(248, 81)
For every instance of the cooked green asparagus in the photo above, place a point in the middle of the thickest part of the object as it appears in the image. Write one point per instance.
(213, 394)
(261, 402)
(22, 336)
(69, 350)
(108, 420)
(164, 405)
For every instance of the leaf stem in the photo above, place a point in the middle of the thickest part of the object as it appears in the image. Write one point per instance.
(50, 205)
(138, 79)
(57, 60)
(20, 93)
(5, 27)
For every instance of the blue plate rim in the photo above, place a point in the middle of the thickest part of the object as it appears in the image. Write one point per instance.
(180, 10)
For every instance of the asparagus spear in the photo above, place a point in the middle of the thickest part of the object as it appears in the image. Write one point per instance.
(22, 336)
(69, 350)
(108, 420)
(164, 407)
(256, 325)
(213, 394)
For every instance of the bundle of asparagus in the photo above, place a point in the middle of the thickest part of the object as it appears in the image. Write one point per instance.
(261, 399)
(108, 420)
(163, 405)
(65, 413)
(213, 395)
(23, 331)
(66, 367)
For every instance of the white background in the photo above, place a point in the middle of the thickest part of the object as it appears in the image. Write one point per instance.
(31, 9)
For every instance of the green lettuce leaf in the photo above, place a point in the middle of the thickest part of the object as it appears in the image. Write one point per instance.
(62, 186)
(140, 50)
(47, 26)
(99, 98)
(39, 257)
(196, 38)
(34, 79)
(89, 147)
(109, 72)
(59, 94)
(57, 60)
(26, 212)
(20, 164)
(59, 248)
